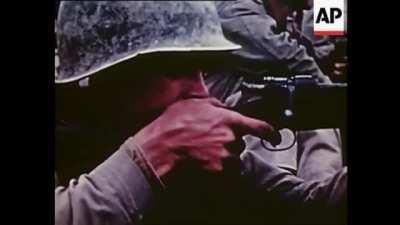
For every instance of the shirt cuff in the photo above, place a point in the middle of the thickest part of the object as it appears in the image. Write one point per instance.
(137, 155)
(121, 176)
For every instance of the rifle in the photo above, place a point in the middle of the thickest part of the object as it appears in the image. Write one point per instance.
(298, 102)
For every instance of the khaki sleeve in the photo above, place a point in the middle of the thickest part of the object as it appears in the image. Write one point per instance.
(116, 192)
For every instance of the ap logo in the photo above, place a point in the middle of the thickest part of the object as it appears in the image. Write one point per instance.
(329, 17)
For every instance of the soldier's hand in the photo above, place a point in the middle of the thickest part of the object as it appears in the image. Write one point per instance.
(195, 129)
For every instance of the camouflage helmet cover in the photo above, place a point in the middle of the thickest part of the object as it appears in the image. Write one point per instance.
(94, 35)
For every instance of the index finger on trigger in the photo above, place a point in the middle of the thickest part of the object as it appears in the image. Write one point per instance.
(248, 125)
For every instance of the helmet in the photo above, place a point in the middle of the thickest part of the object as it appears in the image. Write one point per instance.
(94, 35)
